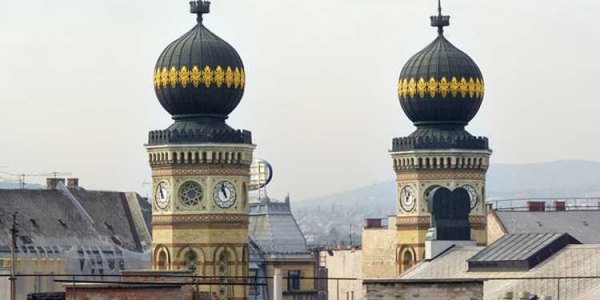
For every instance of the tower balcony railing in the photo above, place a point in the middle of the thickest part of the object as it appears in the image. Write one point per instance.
(426, 143)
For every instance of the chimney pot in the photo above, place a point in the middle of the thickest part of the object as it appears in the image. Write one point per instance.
(52, 182)
(73, 183)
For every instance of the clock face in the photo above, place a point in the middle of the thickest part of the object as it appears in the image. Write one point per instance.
(472, 194)
(162, 194)
(224, 194)
(407, 198)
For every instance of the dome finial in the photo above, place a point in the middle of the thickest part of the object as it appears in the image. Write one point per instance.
(440, 21)
(199, 7)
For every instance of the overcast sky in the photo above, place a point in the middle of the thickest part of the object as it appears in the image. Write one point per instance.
(76, 83)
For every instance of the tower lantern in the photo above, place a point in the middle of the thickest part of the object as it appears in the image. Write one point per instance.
(200, 165)
(440, 164)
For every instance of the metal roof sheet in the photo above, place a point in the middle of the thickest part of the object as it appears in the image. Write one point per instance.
(520, 251)
(274, 229)
(583, 225)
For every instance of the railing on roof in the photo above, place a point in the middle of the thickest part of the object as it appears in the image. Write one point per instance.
(545, 204)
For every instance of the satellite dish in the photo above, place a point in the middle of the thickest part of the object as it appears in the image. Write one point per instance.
(261, 174)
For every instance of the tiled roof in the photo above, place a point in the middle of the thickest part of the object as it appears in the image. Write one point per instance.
(274, 229)
(52, 218)
(583, 225)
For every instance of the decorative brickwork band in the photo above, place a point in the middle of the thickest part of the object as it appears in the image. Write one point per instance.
(441, 175)
(225, 218)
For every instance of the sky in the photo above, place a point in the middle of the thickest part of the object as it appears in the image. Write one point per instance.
(76, 89)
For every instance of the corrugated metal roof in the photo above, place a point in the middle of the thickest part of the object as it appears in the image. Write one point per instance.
(515, 247)
(519, 251)
(584, 225)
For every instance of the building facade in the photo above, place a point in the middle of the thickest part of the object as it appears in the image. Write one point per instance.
(200, 165)
(278, 243)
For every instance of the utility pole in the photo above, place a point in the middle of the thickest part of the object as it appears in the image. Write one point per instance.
(13, 252)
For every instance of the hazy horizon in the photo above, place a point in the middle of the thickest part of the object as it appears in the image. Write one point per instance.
(320, 99)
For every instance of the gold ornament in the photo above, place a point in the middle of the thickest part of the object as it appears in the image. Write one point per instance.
(157, 78)
(173, 77)
(196, 76)
(236, 78)
(444, 87)
(219, 76)
(421, 87)
(412, 87)
(243, 79)
(432, 87)
(164, 78)
(184, 76)
(207, 76)
(454, 86)
(464, 87)
(472, 87)
(229, 77)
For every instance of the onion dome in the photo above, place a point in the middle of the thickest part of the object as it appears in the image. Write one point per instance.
(440, 85)
(199, 79)
(199, 75)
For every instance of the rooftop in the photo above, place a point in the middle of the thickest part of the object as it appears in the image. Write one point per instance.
(64, 217)
(274, 229)
(583, 225)
(519, 251)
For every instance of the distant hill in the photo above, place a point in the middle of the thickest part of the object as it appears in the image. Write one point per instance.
(330, 218)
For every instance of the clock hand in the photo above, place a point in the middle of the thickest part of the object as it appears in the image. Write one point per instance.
(224, 191)
(161, 193)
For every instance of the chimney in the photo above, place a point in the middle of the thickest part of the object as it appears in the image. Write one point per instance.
(52, 182)
(72, 183)
(536, 206)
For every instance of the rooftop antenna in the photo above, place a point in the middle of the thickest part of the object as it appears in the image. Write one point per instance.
(351, 245)
(440, 21)
(21, 176)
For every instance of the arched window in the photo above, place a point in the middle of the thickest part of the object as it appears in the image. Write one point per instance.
(223, 274)
(191, 258)
(407, 260)
(244, 195)
(162, 260)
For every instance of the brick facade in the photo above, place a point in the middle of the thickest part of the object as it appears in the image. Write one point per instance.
(459, 290)
(128, 293)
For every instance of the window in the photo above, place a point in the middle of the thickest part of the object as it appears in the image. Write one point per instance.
(162, 261)
(223, 274)
(407, 260)
(190, 260)
(253, 283)
(293, 280)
